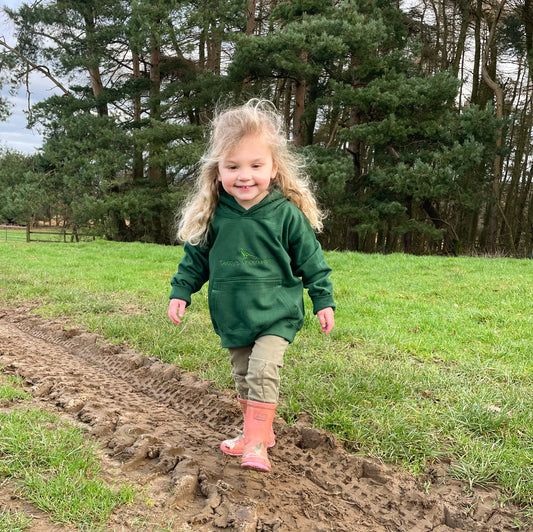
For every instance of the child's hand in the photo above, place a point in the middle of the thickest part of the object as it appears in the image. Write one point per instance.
(326, 318)
(176, 310)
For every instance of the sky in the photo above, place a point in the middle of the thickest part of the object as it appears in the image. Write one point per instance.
(13, 132)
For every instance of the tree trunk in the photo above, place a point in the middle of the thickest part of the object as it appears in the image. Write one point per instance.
(299, 106)
(250, 18)
(461, 40)
(214, 49)
(476, 78)
(525, 212)
(451, 241)
(93, 62)
(528, 23)
(154, 170)
(497, 164)
(138, 163)
(287, 106)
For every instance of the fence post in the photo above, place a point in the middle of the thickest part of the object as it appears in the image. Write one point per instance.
(27, 232)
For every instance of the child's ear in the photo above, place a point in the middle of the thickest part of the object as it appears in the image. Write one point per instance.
(274, 172)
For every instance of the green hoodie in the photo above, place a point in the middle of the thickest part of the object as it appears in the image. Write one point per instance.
(257, 262)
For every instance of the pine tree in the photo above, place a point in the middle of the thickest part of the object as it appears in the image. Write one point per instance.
(128, 135)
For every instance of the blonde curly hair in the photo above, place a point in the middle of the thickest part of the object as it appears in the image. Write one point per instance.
(228, 128)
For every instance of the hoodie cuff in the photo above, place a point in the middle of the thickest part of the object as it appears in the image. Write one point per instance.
(179, 293)
(323, 302)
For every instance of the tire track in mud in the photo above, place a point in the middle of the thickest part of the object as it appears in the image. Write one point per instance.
(161, 428)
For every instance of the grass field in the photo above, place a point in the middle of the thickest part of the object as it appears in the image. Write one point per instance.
(53, 466)
(431, 357)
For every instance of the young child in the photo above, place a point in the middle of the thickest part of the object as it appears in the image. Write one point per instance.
(248, 230)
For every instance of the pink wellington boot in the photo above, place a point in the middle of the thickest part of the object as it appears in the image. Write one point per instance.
(234, 446)
(257, 427)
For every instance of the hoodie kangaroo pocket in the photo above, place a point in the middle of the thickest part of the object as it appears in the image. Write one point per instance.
(249, 305)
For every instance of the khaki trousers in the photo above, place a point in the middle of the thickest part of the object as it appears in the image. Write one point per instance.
(255, 368)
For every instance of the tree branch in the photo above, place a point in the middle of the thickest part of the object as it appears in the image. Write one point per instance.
(42, 69)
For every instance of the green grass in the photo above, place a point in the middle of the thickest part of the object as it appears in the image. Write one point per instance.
(57, 470)
(53, 466)
(431, 357)
(11, 389)
(14, 521)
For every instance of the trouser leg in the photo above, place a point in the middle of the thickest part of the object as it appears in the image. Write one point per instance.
(256, 367)
(265, 362)
(239, 357)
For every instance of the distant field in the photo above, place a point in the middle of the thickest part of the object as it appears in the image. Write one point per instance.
(431, 358)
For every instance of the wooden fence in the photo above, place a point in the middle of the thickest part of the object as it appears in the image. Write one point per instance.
(20, 232)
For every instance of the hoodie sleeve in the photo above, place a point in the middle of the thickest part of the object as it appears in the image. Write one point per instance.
(308, 262)
(193, 272)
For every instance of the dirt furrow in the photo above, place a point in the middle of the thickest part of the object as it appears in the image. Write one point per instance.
(160, 428)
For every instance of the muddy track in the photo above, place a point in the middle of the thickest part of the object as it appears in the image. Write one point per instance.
(160, 428)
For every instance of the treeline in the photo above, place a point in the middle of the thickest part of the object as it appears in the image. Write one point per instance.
(416, 119)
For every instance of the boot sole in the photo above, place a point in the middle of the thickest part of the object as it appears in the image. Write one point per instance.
(256, 466)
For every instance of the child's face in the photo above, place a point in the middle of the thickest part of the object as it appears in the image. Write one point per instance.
(246, 171)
